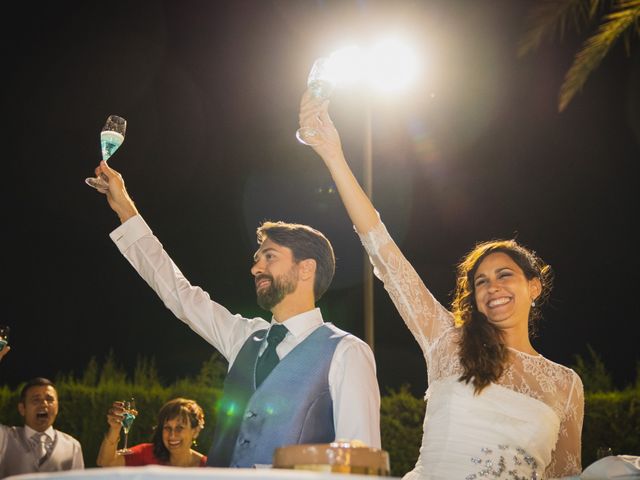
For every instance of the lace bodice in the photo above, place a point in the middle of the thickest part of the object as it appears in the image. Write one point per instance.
(432, 325)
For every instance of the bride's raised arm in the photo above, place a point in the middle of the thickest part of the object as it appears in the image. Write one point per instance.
(425, 317)
(314, 113)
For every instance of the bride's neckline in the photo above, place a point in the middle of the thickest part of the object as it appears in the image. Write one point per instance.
(533, 355)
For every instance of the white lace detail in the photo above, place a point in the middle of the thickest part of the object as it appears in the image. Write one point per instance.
(432, 326)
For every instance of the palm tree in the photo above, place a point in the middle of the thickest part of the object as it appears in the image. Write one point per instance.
(549, 18)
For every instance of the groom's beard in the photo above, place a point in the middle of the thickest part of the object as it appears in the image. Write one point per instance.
(272, 295)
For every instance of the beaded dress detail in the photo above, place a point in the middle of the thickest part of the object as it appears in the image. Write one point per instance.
(527, 425)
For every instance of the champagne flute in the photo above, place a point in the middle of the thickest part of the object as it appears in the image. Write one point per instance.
(321, 85)
(4, 336)
(128, 416)
(111, 137)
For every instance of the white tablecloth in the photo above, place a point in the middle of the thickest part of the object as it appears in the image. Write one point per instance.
(157, 472)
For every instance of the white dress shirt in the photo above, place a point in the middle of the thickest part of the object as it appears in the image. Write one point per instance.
(352, 375)
(49, 432)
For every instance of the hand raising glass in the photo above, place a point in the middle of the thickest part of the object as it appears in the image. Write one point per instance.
(4, 336)
(320, 83)
(129, 413)
(111, 137)
(4, 340)
(314, 115)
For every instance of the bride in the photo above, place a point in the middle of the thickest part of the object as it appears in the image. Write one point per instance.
(496, 408)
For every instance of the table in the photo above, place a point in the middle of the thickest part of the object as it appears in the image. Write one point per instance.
(158, 472)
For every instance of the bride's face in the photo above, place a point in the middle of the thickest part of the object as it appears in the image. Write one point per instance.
(502, 292)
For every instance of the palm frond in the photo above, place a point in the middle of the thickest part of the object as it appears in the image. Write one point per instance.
(625, 15)
(551, 18)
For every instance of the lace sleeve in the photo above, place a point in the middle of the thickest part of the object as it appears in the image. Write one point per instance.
(566, 458)
(425, 317)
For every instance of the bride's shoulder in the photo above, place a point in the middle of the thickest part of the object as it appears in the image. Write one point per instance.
(562, 374)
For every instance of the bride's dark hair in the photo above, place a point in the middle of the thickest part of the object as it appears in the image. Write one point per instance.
(483, 355)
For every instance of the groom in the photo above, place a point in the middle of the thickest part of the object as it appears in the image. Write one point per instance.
(293, 379)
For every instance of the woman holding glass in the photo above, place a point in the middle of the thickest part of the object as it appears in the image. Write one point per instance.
(4, 340)
(179, 423)
(495, 407)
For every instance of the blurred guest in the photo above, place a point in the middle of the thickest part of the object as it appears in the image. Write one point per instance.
(37, 447)
(179, 423)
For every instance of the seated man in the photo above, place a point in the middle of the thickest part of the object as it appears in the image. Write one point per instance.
(37, 447)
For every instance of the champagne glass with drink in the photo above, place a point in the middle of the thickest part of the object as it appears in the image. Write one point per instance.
(4, 336)
(129, 414)
(321, 84)
(111, 137)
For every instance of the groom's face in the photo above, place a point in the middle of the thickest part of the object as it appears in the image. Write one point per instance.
(275, 272)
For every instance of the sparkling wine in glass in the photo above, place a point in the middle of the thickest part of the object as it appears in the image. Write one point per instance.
(4, 336)
(321, 84)
(111, 137)
(128, 416)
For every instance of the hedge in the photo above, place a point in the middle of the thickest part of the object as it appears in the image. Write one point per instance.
(612, 419)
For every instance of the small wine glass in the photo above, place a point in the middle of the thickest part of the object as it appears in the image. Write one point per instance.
(111, 137)
(129, 414)
(4, 336)
(603, 452)
(321, 84)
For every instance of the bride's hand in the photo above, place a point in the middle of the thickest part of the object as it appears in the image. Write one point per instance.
(314, 113)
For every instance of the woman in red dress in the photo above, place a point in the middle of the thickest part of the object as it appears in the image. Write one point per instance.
(179, 423)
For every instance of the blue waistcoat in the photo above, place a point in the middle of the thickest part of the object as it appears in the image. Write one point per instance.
(293, 404)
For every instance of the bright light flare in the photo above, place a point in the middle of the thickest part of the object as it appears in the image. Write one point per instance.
(391, 65)
(346, 65)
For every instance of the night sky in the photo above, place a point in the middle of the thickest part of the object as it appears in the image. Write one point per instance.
(475, 150)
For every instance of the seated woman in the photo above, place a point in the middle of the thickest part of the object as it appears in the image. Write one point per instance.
(179, 422)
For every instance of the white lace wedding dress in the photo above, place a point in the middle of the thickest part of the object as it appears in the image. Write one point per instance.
(525, 426)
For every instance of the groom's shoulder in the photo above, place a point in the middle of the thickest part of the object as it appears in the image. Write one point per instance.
(346, 338)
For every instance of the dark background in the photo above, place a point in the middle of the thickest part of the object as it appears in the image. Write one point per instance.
(475, 150)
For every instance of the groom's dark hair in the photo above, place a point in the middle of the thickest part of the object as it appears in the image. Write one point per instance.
(305, 242)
